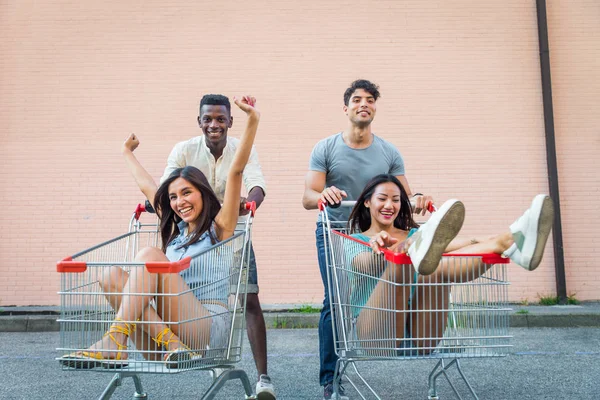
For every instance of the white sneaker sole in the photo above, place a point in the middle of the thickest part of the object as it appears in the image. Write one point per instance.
(446, 230)
(543, 207)
(265, 396)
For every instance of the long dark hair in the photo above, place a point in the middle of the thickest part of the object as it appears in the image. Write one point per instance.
(360, 217)
(169, 219)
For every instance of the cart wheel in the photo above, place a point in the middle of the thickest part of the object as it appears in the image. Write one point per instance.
(142, 396)
(252, 397)
(433, 397)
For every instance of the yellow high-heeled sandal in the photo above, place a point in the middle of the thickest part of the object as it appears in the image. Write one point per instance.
(175, 357)
(91, 359)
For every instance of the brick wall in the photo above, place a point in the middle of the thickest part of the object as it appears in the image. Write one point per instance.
(461, 98)
(574, 34)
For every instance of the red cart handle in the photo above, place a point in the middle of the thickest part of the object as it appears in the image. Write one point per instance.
(486, 258)
(168, 267)
(68, 265)
(321, 205)
(404, 258)
(139, 210)
(251, 205)
(430, 207)
(158, 267)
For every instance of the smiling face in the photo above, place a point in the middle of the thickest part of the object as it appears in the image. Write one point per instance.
(384, 204)
(214, 121)
(186, 201)
(361, 108)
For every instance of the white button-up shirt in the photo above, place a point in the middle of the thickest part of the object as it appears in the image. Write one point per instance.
(196, 153)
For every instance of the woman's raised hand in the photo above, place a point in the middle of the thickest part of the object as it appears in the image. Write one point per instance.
(382, 240)
(131, 143)
(247, 104)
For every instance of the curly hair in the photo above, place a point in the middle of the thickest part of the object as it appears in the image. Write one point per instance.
(215, 100)
(364, 84)
(360, 217)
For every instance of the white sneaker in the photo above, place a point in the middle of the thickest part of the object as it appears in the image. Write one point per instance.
(265, 389)
(432, 238)
(531, 232)
(329, 395)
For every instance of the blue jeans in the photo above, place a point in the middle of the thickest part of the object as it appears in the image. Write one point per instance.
(327, 356)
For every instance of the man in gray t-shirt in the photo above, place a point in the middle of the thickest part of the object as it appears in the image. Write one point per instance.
(340, 166)
(351, 168)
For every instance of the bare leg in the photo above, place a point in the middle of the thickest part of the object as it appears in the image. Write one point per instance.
(193, 331)
(257, 332)
(469, 269)
(383, 317)
(113, 281)
(429, 317)
(436, 298)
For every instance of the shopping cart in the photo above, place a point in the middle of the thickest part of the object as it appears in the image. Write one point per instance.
(384, 311)
(91, 285)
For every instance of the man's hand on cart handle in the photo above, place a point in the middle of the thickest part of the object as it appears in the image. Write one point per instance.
(146, 207)
(131, 143)
(243, 210)
(333, 196)
(247, 206)
(421, 204)
(141, 208)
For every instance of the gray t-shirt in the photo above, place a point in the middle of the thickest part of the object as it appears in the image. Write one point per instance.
(350, 169)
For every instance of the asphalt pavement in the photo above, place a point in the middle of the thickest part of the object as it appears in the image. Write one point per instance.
(545, 363)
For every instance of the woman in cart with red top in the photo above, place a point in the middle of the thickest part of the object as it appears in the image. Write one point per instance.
(383, 214)
(191, 220)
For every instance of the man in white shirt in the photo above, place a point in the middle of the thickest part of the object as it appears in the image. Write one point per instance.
(212, 153)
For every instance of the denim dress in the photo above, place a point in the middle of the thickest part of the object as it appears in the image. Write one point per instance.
(208, 273)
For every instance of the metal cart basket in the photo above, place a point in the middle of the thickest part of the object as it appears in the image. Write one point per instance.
(384, 311)
(92, 283)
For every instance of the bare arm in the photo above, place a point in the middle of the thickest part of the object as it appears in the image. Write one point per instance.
(256, 195)
(315, 190)
(226, 220)
(254, 181)
(313, 186)
(364, 260)
(141, 176)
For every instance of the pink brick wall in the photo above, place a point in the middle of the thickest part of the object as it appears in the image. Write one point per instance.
(574, 33)
(461, 99)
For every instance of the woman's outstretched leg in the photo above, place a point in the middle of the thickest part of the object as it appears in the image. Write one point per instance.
(431, 297)
(382, 319)
(524, 244)
(429, 312)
